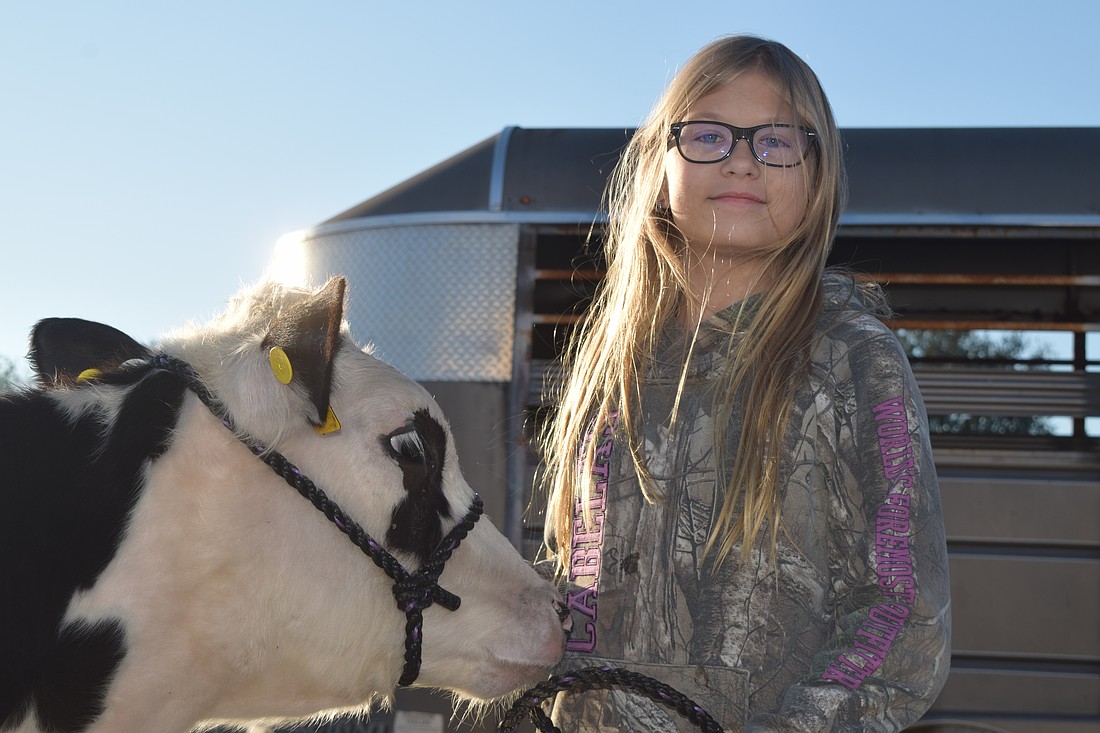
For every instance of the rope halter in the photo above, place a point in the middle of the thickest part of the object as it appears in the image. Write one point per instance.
(602, 678)
(413, 592)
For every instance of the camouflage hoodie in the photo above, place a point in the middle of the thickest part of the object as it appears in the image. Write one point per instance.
(848, 630)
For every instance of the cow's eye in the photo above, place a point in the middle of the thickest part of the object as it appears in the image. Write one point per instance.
(407, 445)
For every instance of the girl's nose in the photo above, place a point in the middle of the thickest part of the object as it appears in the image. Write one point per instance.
(740, 160)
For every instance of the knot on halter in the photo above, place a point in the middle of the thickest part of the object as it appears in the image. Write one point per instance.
(420, 590)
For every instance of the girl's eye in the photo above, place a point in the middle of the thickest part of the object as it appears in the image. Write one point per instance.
(407, 445)
(709, 137)
(773, 141)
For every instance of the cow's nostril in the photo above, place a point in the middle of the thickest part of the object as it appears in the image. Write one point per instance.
(564, 616)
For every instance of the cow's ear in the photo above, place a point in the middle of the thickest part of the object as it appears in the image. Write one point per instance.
(303, 341)
(64, 348)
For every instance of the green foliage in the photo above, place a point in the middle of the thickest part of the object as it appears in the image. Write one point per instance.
(973, 346)
(977, 349)
(9, 375)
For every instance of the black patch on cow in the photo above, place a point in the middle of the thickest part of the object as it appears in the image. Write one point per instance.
(71, 692)
(419, 449)
(68, 488)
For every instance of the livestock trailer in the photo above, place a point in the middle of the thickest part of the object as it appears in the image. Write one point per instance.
(469, 276)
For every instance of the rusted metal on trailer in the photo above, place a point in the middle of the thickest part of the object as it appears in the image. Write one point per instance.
(993, 325)
(849, 228)
(983, 280)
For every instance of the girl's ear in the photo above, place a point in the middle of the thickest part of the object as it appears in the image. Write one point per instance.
(662, 208)
(62, 349)
(303, 341)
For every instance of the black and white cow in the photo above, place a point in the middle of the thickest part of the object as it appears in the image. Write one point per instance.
(155, 572)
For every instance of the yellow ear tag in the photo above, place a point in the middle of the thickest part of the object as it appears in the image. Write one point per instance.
(88, 375)
(280, 365)
(331, 424)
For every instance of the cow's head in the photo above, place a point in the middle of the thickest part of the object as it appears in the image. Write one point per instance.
(226, 574)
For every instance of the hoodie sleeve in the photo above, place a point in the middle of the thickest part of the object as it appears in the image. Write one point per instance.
(889, 656)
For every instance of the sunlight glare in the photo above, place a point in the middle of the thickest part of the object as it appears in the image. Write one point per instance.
(289, 262)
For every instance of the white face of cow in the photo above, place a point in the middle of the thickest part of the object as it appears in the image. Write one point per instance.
(238, 599)
(404, 484)
(393, 468)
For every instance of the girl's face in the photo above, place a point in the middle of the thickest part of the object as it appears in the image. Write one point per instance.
(735, 209)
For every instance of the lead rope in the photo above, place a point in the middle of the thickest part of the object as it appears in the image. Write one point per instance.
(413, 592)
(602, 678)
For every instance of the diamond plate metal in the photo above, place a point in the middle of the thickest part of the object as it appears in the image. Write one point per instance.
(436, 300)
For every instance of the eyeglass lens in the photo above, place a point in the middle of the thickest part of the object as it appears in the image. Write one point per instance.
(709, 142)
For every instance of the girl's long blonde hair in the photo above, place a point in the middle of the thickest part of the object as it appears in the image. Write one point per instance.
(646, 284)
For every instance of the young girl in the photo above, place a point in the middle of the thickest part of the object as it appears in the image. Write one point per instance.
(741, 489)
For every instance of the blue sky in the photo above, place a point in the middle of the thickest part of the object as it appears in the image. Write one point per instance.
(152, 153)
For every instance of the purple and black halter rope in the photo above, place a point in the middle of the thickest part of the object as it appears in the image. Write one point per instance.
(413, 592)
(602, 678)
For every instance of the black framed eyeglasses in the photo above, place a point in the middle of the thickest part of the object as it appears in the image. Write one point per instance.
(703, 141)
